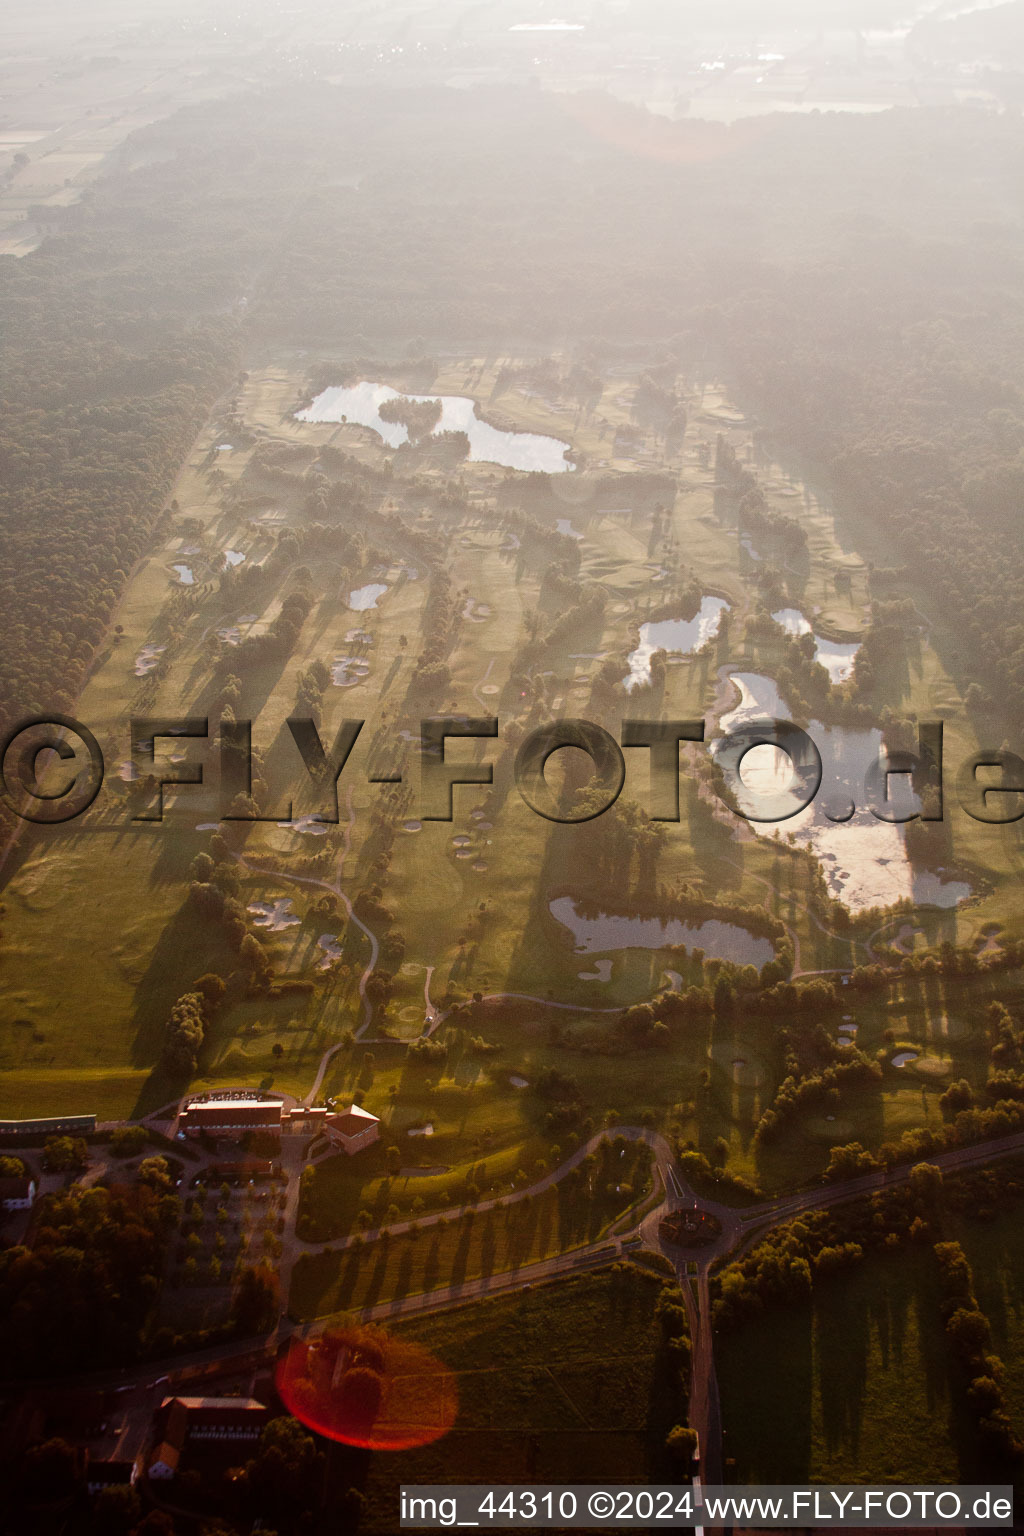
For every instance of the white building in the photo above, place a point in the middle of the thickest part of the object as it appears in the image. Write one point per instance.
(17, 1194)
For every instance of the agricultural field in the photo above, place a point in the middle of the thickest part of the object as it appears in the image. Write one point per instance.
(552, 1383)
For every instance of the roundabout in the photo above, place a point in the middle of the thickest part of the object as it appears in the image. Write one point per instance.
(690, 1226)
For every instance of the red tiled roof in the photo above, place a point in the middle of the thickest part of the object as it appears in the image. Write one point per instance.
(353, 1122)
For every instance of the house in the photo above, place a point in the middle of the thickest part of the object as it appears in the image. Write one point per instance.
(112, 1473)
(17, 1194)
(231, 1115)
(172, 1425)
(203, 1422)
(223, 1418)
(163, 1463)
(61, 1125)
(304, 1121)
(353, 1130)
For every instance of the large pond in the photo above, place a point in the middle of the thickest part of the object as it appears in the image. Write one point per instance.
(607, 931)
(360, 403)
(864, 860)
(837, 659)
(679, 637)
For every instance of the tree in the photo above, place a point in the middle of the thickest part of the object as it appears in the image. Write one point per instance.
(155, 1172)
(156, 1523)
(128, 1140)
(286, 1473)
(184, 1036)
(681, 1443)
(65, 1154)
(211, 989)
(969, 1331)
(48, 1472)
(361, 1391)
(255, 957)
(117, 1509)
(256, 1301)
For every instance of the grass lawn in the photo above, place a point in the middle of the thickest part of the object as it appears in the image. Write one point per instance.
(565, 1216)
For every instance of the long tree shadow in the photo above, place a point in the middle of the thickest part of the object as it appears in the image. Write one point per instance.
(768, 1410)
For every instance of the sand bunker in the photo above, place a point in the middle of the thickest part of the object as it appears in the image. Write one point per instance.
(347, 671)
(602, 972)
(305, 826)
(331, 946)
(366, 597)
(148, 659)
(273, 915)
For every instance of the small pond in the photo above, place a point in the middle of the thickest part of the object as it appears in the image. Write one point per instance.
(837, 659)
(680, 637)
(721, 941)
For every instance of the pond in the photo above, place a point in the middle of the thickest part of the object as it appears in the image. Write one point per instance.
(606, 931)
(360, 404)
(837, 659)
(864, 860)
(185, 575)
(233, 557)
(680, 637)
(366, 597)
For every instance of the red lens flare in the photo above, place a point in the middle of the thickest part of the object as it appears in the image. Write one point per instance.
(360, 1385)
